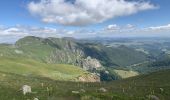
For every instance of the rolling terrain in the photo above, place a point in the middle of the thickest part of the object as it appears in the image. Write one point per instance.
(70, 51)
(34, 52)
(145, 87)
(32, 68)
(64, 68)
(97, 57)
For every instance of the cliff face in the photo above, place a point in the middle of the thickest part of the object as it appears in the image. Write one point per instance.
(91, 64)
(65, 56)
(71, 53)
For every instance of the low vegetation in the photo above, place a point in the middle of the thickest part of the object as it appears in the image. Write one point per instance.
(32, 68)
(137, 88)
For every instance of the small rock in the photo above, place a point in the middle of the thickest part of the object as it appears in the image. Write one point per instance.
(75, 92)
(162, 90)
(42, 84)
(18, 52)
(36, 99)
(153, 97)
(102, 89)
(107, 72)
(82, 90)
(26, 89)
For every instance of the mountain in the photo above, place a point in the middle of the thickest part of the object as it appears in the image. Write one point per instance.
(32, 68)
(60, 68)
(70, 51)
(114, 56)
(99, 59)
(162, 63)
(30, 59)
(91, 57)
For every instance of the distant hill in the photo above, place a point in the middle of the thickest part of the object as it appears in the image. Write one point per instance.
(160, 64)
(114, 56)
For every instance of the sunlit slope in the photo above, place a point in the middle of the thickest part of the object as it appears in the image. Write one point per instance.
(126, 74)
(28, 67)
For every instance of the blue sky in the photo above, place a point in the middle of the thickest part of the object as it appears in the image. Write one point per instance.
(15, 12)
(24, 13)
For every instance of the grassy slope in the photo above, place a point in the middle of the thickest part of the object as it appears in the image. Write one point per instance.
(28, 67)
(27, 58)
(44, 49)
(136, 88)
(110, 56)
(125, 74)
(35, 48)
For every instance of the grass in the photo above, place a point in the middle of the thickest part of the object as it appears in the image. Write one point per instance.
(28, 67)
(125, 74)
(136, 88)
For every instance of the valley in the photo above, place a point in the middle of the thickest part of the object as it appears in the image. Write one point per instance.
(84, 50)
(89, 70)
(88, 56)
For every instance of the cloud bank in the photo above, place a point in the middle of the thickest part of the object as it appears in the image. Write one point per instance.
(84, 12)
(11, 34)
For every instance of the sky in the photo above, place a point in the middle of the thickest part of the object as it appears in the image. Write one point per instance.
(84, 18)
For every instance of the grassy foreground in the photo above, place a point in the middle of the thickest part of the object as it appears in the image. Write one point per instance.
(136, 88)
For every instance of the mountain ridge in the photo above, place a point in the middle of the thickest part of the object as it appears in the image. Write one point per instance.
(92, 57)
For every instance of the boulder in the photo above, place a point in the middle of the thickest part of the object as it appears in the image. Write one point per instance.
(102, 90)
(26, 89)
(36, 99)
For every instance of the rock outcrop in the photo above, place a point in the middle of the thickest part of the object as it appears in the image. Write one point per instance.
(90, 64)
(89, 78)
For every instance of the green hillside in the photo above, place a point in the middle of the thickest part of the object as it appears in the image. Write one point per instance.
(152, 66)
(114, 56)
(136, 88)
(32, 68)
(70, 51)
(52, 62)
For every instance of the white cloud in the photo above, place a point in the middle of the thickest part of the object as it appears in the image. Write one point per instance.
(130, 26)
(13, 31)
(132, 30)
(9, 34)
(19, 31)
(164, 27)
(71, 32)
(113, 27)
(84, 12)
(163, 30)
